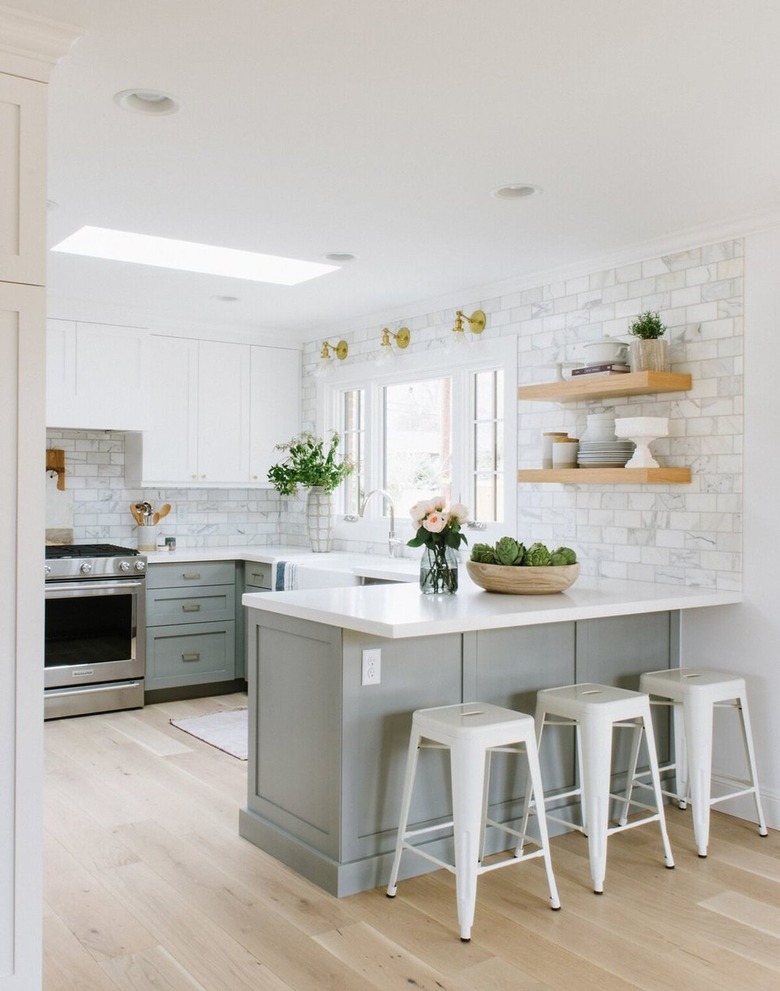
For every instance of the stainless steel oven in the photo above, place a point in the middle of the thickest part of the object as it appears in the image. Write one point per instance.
(94, 656)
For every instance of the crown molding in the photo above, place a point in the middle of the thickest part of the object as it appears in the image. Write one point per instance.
(31, 46)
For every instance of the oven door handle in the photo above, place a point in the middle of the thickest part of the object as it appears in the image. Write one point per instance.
(66, 590)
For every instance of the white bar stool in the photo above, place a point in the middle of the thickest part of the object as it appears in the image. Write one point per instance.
(694, 694)
(593, 711)
(471, 732)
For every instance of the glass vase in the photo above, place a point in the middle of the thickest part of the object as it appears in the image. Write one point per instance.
(439, 570)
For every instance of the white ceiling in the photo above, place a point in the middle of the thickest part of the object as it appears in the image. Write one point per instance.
(379, 127)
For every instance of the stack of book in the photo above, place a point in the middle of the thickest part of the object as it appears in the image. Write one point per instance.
(602, 368)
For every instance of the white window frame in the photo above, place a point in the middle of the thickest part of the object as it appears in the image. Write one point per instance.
(474, 357)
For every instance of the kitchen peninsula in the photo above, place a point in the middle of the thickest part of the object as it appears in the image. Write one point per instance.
(327, 751)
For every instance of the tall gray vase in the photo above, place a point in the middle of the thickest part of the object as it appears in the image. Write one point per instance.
(319, 519)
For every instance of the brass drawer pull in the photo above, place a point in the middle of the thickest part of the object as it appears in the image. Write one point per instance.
(191, 576)
(190, 657)
(191, 607)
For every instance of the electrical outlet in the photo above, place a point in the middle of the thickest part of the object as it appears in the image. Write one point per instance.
(371, 668)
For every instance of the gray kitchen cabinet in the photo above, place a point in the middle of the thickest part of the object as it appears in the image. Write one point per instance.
(258, 577)
(327, 753)
(217, 410)
(191, 624)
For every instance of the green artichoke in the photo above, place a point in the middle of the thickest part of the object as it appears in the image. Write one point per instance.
(483, 554)
(563, 555)
(537, 556)
(508, 551)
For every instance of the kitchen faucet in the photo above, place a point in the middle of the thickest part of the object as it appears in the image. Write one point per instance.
(393, 543)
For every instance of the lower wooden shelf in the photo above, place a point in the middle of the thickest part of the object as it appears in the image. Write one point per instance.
(606, 476)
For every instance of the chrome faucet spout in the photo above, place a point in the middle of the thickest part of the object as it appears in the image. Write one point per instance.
(393, 543)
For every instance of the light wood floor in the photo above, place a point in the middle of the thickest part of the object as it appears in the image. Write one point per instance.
(149, 886)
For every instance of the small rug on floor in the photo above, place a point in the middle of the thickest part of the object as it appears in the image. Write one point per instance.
(224, 730)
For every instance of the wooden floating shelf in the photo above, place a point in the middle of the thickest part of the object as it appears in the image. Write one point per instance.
(606, 476)
(583, 387)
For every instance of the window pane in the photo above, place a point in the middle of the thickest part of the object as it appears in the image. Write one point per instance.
(488, 433)
(353, 447)
(418, 440)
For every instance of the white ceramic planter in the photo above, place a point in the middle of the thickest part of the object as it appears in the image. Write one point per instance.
(648, 356)
(319, 519)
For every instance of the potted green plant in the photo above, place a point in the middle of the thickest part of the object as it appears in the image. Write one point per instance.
(648, 352)
(312, 463)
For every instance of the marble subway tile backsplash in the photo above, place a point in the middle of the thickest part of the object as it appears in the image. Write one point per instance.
(99, 501)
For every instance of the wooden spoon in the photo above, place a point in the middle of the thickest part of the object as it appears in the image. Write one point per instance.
(164, 510)
(136, 514)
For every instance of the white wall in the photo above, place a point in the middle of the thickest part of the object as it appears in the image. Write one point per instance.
(746, 638)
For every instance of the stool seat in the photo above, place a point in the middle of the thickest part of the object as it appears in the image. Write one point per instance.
(471, 732)
(694, 694)
(594, 711)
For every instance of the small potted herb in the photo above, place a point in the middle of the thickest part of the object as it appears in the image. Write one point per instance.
(648, 353)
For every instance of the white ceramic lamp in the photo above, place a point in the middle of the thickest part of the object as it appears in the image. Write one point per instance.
(642, 430)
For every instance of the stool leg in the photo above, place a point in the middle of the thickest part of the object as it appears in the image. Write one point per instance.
(539, 718)
(647, 722)
(534, 787)
(406, 801)
(698, 742)
(596, 742)
(468, 768)
(633, 760)
(747, 736)
(681, 773)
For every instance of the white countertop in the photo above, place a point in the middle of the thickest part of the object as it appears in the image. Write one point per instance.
(397, 611)
(404, 569)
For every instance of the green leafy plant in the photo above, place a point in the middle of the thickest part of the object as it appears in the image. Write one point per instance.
(310, 461)
(648, 326)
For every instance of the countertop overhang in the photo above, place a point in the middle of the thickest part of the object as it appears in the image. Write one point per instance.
(400, 610)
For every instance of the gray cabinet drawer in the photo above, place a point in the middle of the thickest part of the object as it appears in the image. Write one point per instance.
(209, 603)
(182, 575)
(258, 575)
(190, 655)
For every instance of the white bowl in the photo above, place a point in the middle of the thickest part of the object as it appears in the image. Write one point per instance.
(605, 350)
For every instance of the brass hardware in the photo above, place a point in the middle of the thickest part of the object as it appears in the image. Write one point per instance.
(477, 322)
(341, 350)
(401, 338)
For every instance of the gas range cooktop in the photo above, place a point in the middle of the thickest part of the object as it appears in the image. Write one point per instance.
(56, 551)
(86, 562)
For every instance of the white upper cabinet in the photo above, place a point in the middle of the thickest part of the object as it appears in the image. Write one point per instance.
(275, 406)
(22, 180)
(95, 376)
(217, 410)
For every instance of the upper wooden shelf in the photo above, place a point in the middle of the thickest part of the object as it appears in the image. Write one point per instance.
(581, 387)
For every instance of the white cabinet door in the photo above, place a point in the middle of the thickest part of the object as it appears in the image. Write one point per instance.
(95, 376)
(275, 407)
(168, 451)
(223, 412)
(22, 180)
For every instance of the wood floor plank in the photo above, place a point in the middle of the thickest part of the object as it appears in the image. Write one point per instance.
(154, 968)
(383, 963)
(142, 833)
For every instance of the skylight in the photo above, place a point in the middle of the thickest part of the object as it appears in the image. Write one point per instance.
(188, 256)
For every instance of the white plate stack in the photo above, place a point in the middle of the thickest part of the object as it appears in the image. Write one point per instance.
(599, 448)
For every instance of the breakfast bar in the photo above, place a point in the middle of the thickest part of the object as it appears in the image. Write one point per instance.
(327, 750)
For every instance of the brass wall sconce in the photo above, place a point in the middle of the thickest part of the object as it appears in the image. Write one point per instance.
(476, 324)
(400, 337)
(341, 350)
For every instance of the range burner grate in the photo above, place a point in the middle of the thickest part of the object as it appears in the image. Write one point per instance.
(57, 551)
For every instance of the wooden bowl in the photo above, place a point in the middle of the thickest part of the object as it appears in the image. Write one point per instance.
(520, 580)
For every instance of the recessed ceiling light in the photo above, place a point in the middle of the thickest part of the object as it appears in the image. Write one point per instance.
(188, 256)
(340, 257)
(516, 191)
(146, 101)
